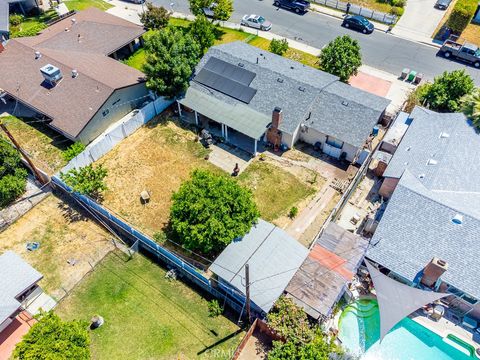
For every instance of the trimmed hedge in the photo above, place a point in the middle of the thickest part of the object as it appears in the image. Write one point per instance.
(462, 14)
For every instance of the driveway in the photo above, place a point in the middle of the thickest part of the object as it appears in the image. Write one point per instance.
(419, 21)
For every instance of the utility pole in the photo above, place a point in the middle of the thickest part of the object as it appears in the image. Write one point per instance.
(247, 293)
(37, 173)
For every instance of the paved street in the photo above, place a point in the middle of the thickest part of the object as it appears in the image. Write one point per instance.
(383, 51)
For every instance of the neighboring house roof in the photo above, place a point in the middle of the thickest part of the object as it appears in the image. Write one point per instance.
(16, 276)
(4, 17)
(330, 265)
(73, 101)
(417, 223)
(337, 109)
(273, 258)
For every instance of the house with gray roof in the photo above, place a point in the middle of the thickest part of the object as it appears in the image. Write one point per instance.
(434, 206)
(273, 258)
(17, 280)
(69, 76)
(248, 95)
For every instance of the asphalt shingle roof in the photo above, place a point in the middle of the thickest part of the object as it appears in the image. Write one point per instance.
(273, 258)
(298, 90)
(417, 223)
(16, 276)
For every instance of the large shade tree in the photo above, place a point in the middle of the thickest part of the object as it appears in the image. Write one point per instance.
(341, 57)
(203, 32)
(171, 57)
(52, 338)
(155, 17)
(87, 180)
(13, 176)
(209, 211)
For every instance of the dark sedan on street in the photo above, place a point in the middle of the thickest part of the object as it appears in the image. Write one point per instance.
(359, 23)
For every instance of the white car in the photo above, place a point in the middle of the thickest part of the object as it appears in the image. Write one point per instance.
(256, 21)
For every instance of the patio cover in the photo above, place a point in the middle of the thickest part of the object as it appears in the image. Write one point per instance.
(238, 117)
(396, 300)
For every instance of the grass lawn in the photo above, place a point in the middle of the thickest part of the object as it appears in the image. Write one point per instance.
(147, 316)
(63, 234)
(31, 25)
(137, 59)
(85, 4)
(293, 54)
(472, 34)
(158, 158)
(274, 189)
(43, 144)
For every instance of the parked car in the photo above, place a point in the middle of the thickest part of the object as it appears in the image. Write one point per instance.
(256, 21)
(209, 11)
(359, 23)
(442, 4)
(466, 52)
(137, 1)
(299, 6)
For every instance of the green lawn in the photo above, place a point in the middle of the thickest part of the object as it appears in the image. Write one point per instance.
(85, 4)
(147, 316)
(44, 145)
(274, 189)
(31, 25)
(137, 59)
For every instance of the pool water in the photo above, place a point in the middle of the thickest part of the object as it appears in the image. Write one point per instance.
(359, 331)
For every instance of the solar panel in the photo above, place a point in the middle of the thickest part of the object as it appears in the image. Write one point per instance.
(236, 73)
(225, 85)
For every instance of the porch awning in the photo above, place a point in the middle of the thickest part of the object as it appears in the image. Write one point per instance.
(396, 300)
(238, 117)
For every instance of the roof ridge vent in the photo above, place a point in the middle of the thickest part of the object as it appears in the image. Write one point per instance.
(301, 88)
(345, 103)
(280, 80)
(458, 219)
(444, 135)
(421, 176)
(241, 64)
(432, 162)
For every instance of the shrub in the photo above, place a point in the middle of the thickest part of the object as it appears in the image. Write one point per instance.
(398, 11)
(214, 308)
(209, 211)
(86, 180)
(341, 57)
(471, 106)
(293, 212)
(155, 17)
(13, 177)
(203, 31)
(16, 19)
(461, 15)
(160, 237)
(398, 3)
(278, 47)
(34, 30)
(73, 150)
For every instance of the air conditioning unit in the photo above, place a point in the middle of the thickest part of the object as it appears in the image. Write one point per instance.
(51, 74)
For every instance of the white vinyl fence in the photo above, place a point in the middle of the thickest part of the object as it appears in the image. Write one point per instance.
(108, 140)
(358, 10)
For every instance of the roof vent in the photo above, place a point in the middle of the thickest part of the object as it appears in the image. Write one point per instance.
(444, 135)
(74, 73)
(280, 80)
(67, 29)
(408, 148)
(241, 65)
(421, 176)
(432, 162)
(38, 55)
(345, 103)
(301, 88)
(458, 219)
(291, 67)
(73, 21)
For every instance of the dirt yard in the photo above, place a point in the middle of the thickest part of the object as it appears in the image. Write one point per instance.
(64, 236)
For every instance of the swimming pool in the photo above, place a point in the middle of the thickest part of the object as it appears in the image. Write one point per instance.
(359, 331)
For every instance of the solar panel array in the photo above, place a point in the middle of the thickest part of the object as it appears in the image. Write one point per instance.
(228, 79)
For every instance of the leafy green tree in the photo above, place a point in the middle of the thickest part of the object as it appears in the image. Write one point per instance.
(278, 47)
(471, 106)
(52, 338)
(445, 92)
(341, 57)
(210, 211)
(319, 348)
(73, 150)
(171, 57)
(222, 9)
(86, 180)
(13, 176)
(155, 17)
(203, 32)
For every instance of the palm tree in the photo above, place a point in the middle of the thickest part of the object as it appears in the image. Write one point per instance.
(471, 106)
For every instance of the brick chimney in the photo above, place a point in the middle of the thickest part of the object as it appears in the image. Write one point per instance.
(432, 272)
(274, 136)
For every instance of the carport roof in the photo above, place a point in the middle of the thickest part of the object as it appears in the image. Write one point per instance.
(236, 116)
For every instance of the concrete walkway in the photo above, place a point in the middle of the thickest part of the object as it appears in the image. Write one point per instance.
(419, 21)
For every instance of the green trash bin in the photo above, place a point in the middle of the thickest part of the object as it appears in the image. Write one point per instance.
(412, 75)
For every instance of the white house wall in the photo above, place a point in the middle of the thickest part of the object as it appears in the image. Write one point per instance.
(120, 103)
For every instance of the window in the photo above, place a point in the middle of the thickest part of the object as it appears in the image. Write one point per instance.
(334, 142)
(105, 112)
